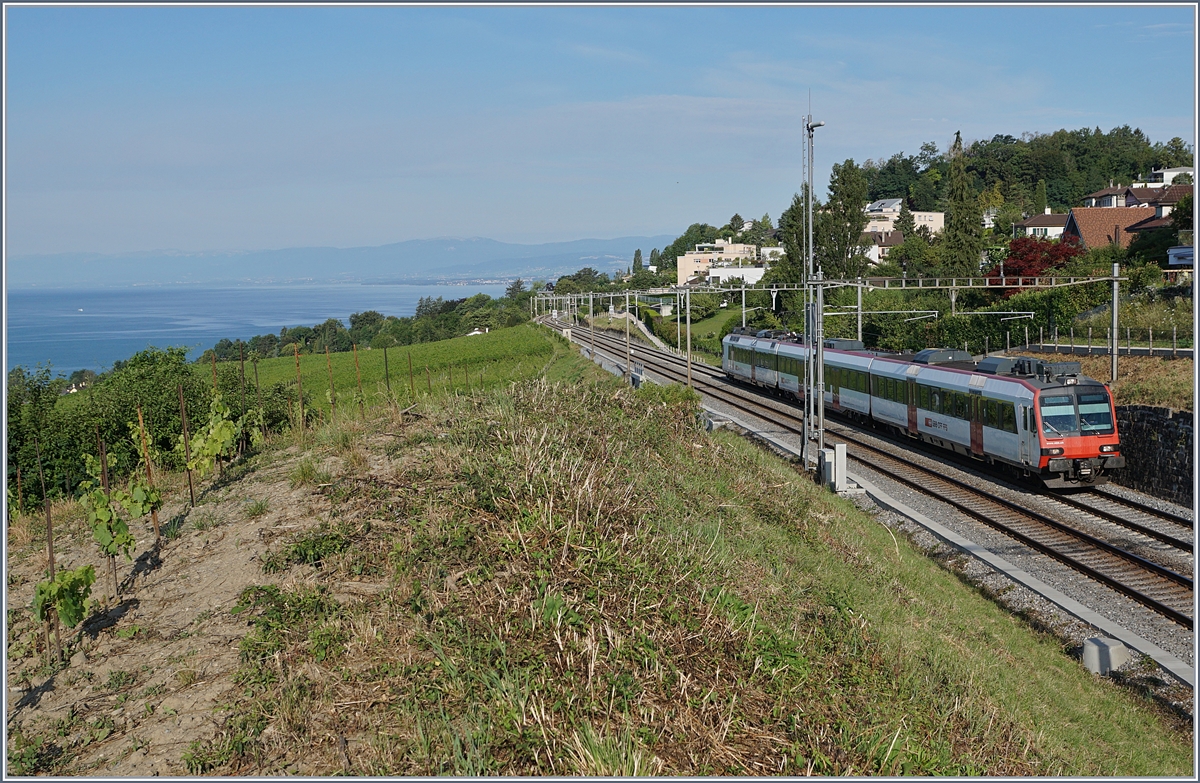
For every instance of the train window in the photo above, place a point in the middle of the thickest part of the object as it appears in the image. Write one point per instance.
(962, 408)
(991, 416)
(1008, 417)
(1058, 414)
(861, 385)
(1095, 415)
(935, 400)
(923, 397)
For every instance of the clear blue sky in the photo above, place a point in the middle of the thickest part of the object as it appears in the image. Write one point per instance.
(247, 128)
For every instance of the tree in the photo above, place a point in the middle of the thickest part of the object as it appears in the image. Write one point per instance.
(1039, 198)
(654, 258)
(905, 224)
(1181, 215)
(637, 260)
(364, 326)
(515, 289)
(793, 236)
(962, 243)
(760, 232)
(841, 223)
(1032, 256)
(696, 234)
(891, 179)
(736, 222)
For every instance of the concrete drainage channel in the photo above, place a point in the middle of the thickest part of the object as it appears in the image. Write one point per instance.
(1101, 654)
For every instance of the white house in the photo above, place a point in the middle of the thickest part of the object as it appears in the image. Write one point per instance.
(695, 263)
(882, 215)
(1047, 226)
(718, 275)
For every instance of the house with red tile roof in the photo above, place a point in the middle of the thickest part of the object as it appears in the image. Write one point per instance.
(1100, 226)
(1162, 198)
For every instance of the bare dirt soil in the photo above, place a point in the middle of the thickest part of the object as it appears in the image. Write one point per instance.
(145, 674)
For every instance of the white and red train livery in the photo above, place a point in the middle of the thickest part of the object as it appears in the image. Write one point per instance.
(1044, 419)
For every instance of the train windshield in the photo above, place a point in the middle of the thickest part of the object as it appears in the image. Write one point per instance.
(1058, 414)
(1095, 413)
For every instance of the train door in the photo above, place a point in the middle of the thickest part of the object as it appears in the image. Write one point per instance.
(1026, 437)
(911, 396)
(976, 413)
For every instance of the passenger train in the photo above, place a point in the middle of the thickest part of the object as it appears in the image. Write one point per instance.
(1044, 419)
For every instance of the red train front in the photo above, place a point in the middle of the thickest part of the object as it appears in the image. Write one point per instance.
(1077, 431)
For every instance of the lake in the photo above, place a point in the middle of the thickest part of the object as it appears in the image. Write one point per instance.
(91, 329)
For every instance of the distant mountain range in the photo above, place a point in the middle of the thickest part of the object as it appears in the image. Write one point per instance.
(418, 261)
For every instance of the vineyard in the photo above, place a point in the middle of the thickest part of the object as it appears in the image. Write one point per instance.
(85, 566)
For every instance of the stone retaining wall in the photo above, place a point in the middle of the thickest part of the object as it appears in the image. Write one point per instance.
(1157, 444)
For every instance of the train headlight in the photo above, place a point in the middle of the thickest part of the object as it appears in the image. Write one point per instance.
(1051, 452)
(1108, 449)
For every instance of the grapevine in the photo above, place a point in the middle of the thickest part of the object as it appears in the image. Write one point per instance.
(67, 594)
(141, 498)
(253, 422)
(216, 440)
(109, 530)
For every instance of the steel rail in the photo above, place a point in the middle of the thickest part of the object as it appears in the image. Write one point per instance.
(1099, 513)
(662, 362)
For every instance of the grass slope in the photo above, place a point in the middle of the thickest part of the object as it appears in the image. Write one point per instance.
(578, 580)
(565, 576)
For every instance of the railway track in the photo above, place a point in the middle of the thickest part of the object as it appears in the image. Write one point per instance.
(1159, 588)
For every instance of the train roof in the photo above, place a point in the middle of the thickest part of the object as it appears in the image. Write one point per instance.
(1033, 371)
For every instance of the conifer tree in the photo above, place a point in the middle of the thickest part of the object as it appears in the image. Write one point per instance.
(637, 260)
(905, 224)
(1039, 198)
(962, 243)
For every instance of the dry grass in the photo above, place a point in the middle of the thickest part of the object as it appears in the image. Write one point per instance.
(550, 593)
(1145, 380)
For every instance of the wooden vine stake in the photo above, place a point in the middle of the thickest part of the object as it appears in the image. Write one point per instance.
(187, 446)
(149, 477)
(242, 374)
(358, 373)
(387, 378)
(299, 389)
(332, 393)
(112, 559)
(52, 620)
(258, 391)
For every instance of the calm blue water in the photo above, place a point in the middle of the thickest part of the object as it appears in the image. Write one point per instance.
(91, 329)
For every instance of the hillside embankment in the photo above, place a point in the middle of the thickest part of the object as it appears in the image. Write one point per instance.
(557, 576)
